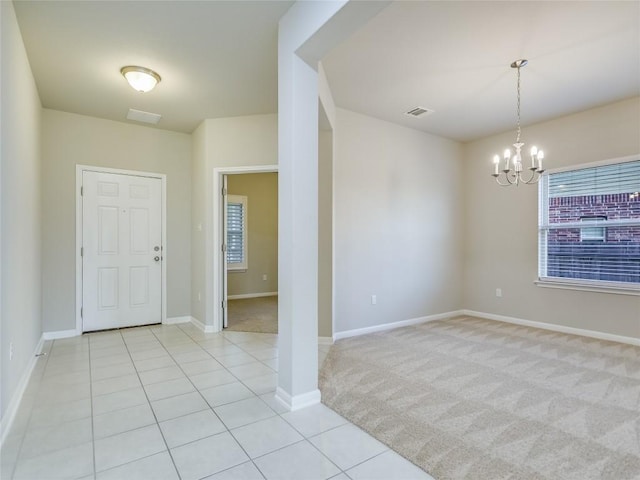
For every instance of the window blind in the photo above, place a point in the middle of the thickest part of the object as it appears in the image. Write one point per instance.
(236, 225)
(589, 225)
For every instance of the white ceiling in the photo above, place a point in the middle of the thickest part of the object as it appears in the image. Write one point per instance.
(218, 59)
(454, 57)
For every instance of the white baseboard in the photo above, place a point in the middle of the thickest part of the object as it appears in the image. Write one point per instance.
(174, 320)
(390, 326)
(55, 335)
(10, 413)
(202, 326)
(252, 295)
(555, 328)
(325, 340)
(297, 402)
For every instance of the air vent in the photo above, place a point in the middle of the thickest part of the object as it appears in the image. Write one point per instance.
(145, 117)
(418, 112)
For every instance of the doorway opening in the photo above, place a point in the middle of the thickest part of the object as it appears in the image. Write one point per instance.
(246, 235)
(251, 239)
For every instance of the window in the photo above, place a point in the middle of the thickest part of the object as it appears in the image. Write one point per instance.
(589, 226)
(236, 232)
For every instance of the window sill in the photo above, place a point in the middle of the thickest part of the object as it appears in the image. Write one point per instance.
(568, 285)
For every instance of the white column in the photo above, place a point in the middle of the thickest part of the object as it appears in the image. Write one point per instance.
(298, 207)
(303, 33)
(298, 234)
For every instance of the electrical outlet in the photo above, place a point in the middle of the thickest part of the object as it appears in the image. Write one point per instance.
(11, 351)
(498, 292)
(374, 299)
(264, 277)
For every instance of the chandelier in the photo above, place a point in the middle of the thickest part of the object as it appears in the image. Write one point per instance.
(513, 169)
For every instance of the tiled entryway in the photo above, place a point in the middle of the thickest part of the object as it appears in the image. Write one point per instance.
(171, 402)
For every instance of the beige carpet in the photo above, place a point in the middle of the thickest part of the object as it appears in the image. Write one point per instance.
(475, 399)
(253, 315)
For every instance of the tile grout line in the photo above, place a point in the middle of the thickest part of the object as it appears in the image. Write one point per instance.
(214, 412)
(93, 437)
(205, 400)
(243, 350)
(304, 437)
(308, 440)
(254, 394)
(151, 408)
(370, 458)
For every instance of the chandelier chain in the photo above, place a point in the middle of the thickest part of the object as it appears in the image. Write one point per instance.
(518, 108)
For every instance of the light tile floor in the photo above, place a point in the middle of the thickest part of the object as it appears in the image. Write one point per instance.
(170, 402)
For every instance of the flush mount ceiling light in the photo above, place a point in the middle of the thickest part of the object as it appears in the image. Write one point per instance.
(140, 78)
(515, 176)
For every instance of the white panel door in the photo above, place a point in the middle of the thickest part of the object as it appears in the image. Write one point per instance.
(122, 250)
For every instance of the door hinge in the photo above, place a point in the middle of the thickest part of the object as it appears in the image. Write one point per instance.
(224, 247)
(81, 312)
(224, 304)
(81, 191)
(224, 191)
(82, 251)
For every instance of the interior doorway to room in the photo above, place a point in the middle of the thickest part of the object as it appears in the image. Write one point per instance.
(250, 252)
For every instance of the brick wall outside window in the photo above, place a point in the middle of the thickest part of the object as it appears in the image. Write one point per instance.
(616, 258)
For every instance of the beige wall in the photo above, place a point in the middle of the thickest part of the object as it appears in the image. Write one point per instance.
(21, 210)
(397, 222)
(501, 244)
(325, 233)
(261, 190)
(221, 142)
(70, 139)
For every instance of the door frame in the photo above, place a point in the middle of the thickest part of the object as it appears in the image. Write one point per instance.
(80, 169)
(218, 267)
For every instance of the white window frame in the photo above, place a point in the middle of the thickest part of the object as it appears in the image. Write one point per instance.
(543, 226)
(244, 265)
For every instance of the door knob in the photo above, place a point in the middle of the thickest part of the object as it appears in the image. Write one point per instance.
(156, 258)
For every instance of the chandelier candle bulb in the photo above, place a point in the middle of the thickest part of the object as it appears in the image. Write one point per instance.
(496, 161)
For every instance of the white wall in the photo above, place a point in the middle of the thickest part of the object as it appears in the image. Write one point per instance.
(221, 142)
(21, 213)
(397, 224)
(69, 139)
(501, 224)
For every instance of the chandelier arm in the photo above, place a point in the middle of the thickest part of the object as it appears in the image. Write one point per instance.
(534, 178)
(514, 177)
(497, 177)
